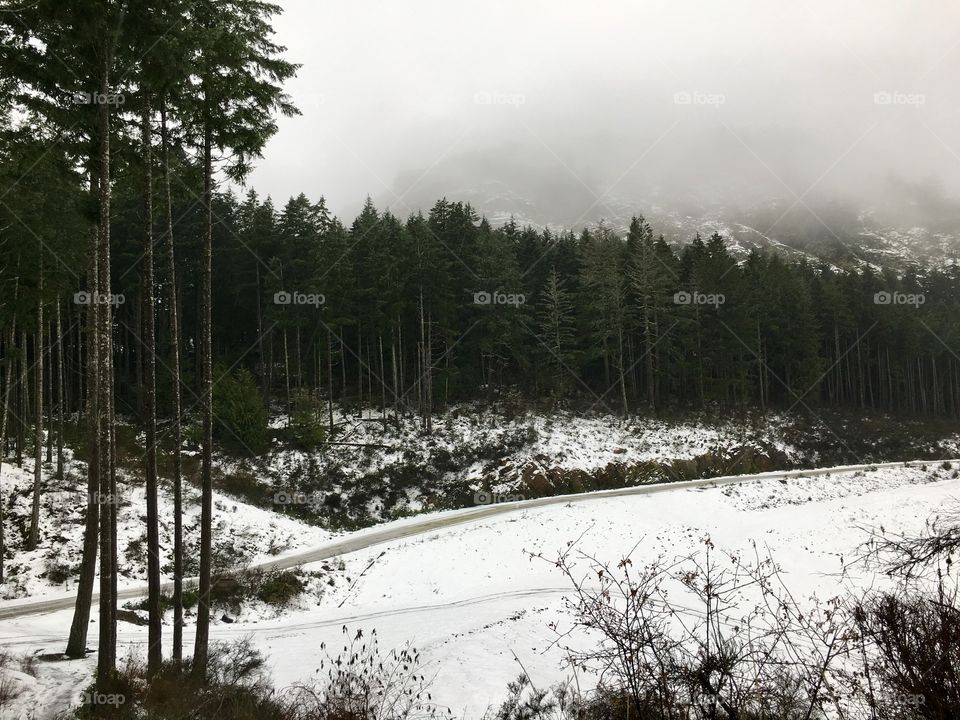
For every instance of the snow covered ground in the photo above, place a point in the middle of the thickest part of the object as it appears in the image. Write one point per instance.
(470, 599)
(243, 534)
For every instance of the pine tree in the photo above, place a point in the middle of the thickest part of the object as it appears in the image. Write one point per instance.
(239, 74)
(653, 278)
(605, 299)
(556, 315)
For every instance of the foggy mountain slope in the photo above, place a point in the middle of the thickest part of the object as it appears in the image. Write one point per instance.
(895, 236)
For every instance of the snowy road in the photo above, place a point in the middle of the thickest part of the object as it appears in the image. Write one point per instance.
(399, 530)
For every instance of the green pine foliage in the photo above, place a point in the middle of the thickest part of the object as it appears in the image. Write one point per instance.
(307, 429)
(241, 419)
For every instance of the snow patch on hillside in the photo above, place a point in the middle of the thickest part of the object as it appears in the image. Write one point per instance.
(243, 534)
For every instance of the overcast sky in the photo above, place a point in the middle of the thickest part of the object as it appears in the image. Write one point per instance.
(570, 105)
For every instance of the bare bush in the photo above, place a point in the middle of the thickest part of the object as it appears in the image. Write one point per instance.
(28, 664)
(363, 684)
(913, 671)
(913, 557)
(911, 635)
(10, 687)
(237, 687)
(525, 701)
(702, 636)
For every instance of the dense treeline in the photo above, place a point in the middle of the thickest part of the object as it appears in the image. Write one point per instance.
(413, 314)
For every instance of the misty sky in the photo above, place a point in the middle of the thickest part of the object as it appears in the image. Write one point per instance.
(580, 107)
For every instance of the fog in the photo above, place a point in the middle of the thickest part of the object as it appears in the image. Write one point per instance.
(565, 112)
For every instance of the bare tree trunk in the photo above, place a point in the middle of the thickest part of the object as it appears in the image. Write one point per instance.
(106, 655)
(81, 387)
(177, 428)
(113, 505)
(23, 394)
(269, 381)
(383, 385)
(264, 376)
(360, 368)
(11, 369)
(34, 538)
(286, 374)
(401, 364)
(76, 644)
(396, 389)
(61, 392)
(201, 645)
(428, 365)
(299, 363)
(149, 369)
(48, 369)
(330, 378)
(422, 376)
(622, 369)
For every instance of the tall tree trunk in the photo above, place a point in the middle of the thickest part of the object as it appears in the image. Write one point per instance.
(428, 364)
(77, 641)
(61, 393)
(106, 655)
(48, 394)
(175, 381)
(149, 369)
(396, 389)
(360, 369)
(34, 538)
(11, 369)
(201, 644)
(286, 374)
(299, 363)
(264, 376)
(24, 396)
(621, 368)
(383, 385)
(330, 378)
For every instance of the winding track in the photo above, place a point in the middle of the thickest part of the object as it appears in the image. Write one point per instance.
(364, 539)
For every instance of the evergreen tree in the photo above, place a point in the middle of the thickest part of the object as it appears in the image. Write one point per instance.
(557, 328)
(239, 76)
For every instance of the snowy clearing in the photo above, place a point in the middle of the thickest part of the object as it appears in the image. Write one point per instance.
(470, 598)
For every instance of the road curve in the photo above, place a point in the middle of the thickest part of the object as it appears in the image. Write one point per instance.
(398, 530)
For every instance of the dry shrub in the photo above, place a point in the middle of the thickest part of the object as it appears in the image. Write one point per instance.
(360, 683)
(699, 636)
